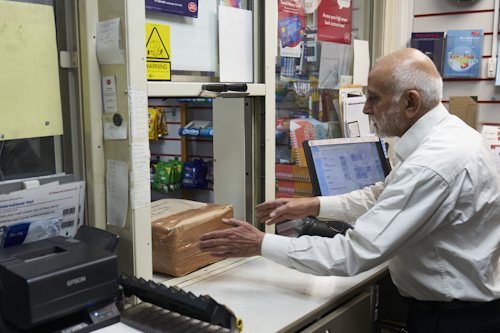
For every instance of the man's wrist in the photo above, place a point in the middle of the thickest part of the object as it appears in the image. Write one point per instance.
(314, 206)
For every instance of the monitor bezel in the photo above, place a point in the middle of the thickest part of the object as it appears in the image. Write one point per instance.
(306, 144)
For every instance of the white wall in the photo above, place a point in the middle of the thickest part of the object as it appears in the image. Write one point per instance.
(444, 15)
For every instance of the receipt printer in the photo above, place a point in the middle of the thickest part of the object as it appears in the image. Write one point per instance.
(53, 278)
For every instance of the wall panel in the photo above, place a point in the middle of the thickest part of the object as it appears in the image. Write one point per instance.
(437, 16)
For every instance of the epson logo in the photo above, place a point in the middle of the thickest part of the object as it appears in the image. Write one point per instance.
(76, 281)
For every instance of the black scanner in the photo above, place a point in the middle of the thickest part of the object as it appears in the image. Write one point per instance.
(53, 278)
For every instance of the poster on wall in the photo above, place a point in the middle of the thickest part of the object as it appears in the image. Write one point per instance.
(463, 53)
(335, 21)
(291, 26)
(175, 7)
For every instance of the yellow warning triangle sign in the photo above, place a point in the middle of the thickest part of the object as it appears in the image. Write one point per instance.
(155, 49)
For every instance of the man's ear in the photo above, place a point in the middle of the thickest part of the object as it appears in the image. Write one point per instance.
(413, 103)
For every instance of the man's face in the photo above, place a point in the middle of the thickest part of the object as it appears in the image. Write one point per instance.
(386, 115)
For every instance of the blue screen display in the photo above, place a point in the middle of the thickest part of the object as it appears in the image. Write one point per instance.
(343, 168)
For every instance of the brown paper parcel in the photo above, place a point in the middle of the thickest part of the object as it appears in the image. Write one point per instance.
(175, 237)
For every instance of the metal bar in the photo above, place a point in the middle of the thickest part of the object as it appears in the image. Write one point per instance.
(184, 143)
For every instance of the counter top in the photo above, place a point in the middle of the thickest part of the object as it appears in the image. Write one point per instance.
(269, 297)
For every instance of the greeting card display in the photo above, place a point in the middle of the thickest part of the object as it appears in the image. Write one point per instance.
(432, 44)
(463, 54)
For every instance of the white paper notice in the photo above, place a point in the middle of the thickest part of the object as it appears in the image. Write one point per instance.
(357, 123)
(139, 176)
(108, 42)
(113, 132)
(108, 86)
(61, 201)
(138, 106)
(361, 62)
(235, 44)
(116, 193)
(491, 134)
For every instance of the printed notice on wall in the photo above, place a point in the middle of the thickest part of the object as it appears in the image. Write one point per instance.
(158, 52)
(334, 21)
(116, 193)
(108, 42)
(138, 106)
(140, 156)
(175, 7)
(108, 87)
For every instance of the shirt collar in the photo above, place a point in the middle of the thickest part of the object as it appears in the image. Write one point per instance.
(418, 131)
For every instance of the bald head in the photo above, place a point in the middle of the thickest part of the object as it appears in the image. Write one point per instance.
(410, 69)
(402, 87)
(411, 58)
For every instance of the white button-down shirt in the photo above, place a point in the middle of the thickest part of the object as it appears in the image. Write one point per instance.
(436, 219)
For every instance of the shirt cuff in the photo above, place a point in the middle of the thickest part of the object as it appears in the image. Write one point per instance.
(330, 208)
(275, 248)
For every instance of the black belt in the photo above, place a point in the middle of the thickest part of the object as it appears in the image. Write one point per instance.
(433, 306)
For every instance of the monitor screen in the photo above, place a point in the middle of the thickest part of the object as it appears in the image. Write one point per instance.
(339, 166)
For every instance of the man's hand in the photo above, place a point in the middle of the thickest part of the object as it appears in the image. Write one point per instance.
(274, 211)
(244, 240)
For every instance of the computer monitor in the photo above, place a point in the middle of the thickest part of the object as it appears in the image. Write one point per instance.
(339, 166)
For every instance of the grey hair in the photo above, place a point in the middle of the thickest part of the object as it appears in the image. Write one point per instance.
(428, 86)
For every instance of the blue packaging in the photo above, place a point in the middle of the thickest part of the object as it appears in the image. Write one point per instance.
(196, 132)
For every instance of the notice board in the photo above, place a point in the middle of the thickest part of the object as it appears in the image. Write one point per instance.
(29, 81)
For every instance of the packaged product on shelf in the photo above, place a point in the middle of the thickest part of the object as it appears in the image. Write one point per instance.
(153, 124)
(176, 231)
(210, 174)
(281, 90)
(162, 123)
(292, 172)
(294, 187)
(282, 127)
(310, 129)
(301, 93)
(176, 175)
(162, 176)
(194, 174)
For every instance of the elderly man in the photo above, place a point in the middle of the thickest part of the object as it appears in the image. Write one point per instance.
(435, 218)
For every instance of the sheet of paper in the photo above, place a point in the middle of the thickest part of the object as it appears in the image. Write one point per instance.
(357, 123)
(81, 207)
(235, 44)
(335, 62)
(492, 136)
(59, 201)
(108, 42)
(361, 62)
(116, 193)
(138, 106)
(111, 131)
(140, 175)
(29, 70)
(109, 101)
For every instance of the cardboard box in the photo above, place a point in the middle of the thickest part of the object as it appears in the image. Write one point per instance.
(174, 238)
(465, 107)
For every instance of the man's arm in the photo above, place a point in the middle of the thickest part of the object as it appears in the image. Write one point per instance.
(400, 218)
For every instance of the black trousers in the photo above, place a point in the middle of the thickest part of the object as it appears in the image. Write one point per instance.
(475, 319)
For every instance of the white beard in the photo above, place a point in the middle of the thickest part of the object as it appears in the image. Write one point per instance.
(389, 122)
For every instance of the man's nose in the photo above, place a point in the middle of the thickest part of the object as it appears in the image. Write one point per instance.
(367, 109)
